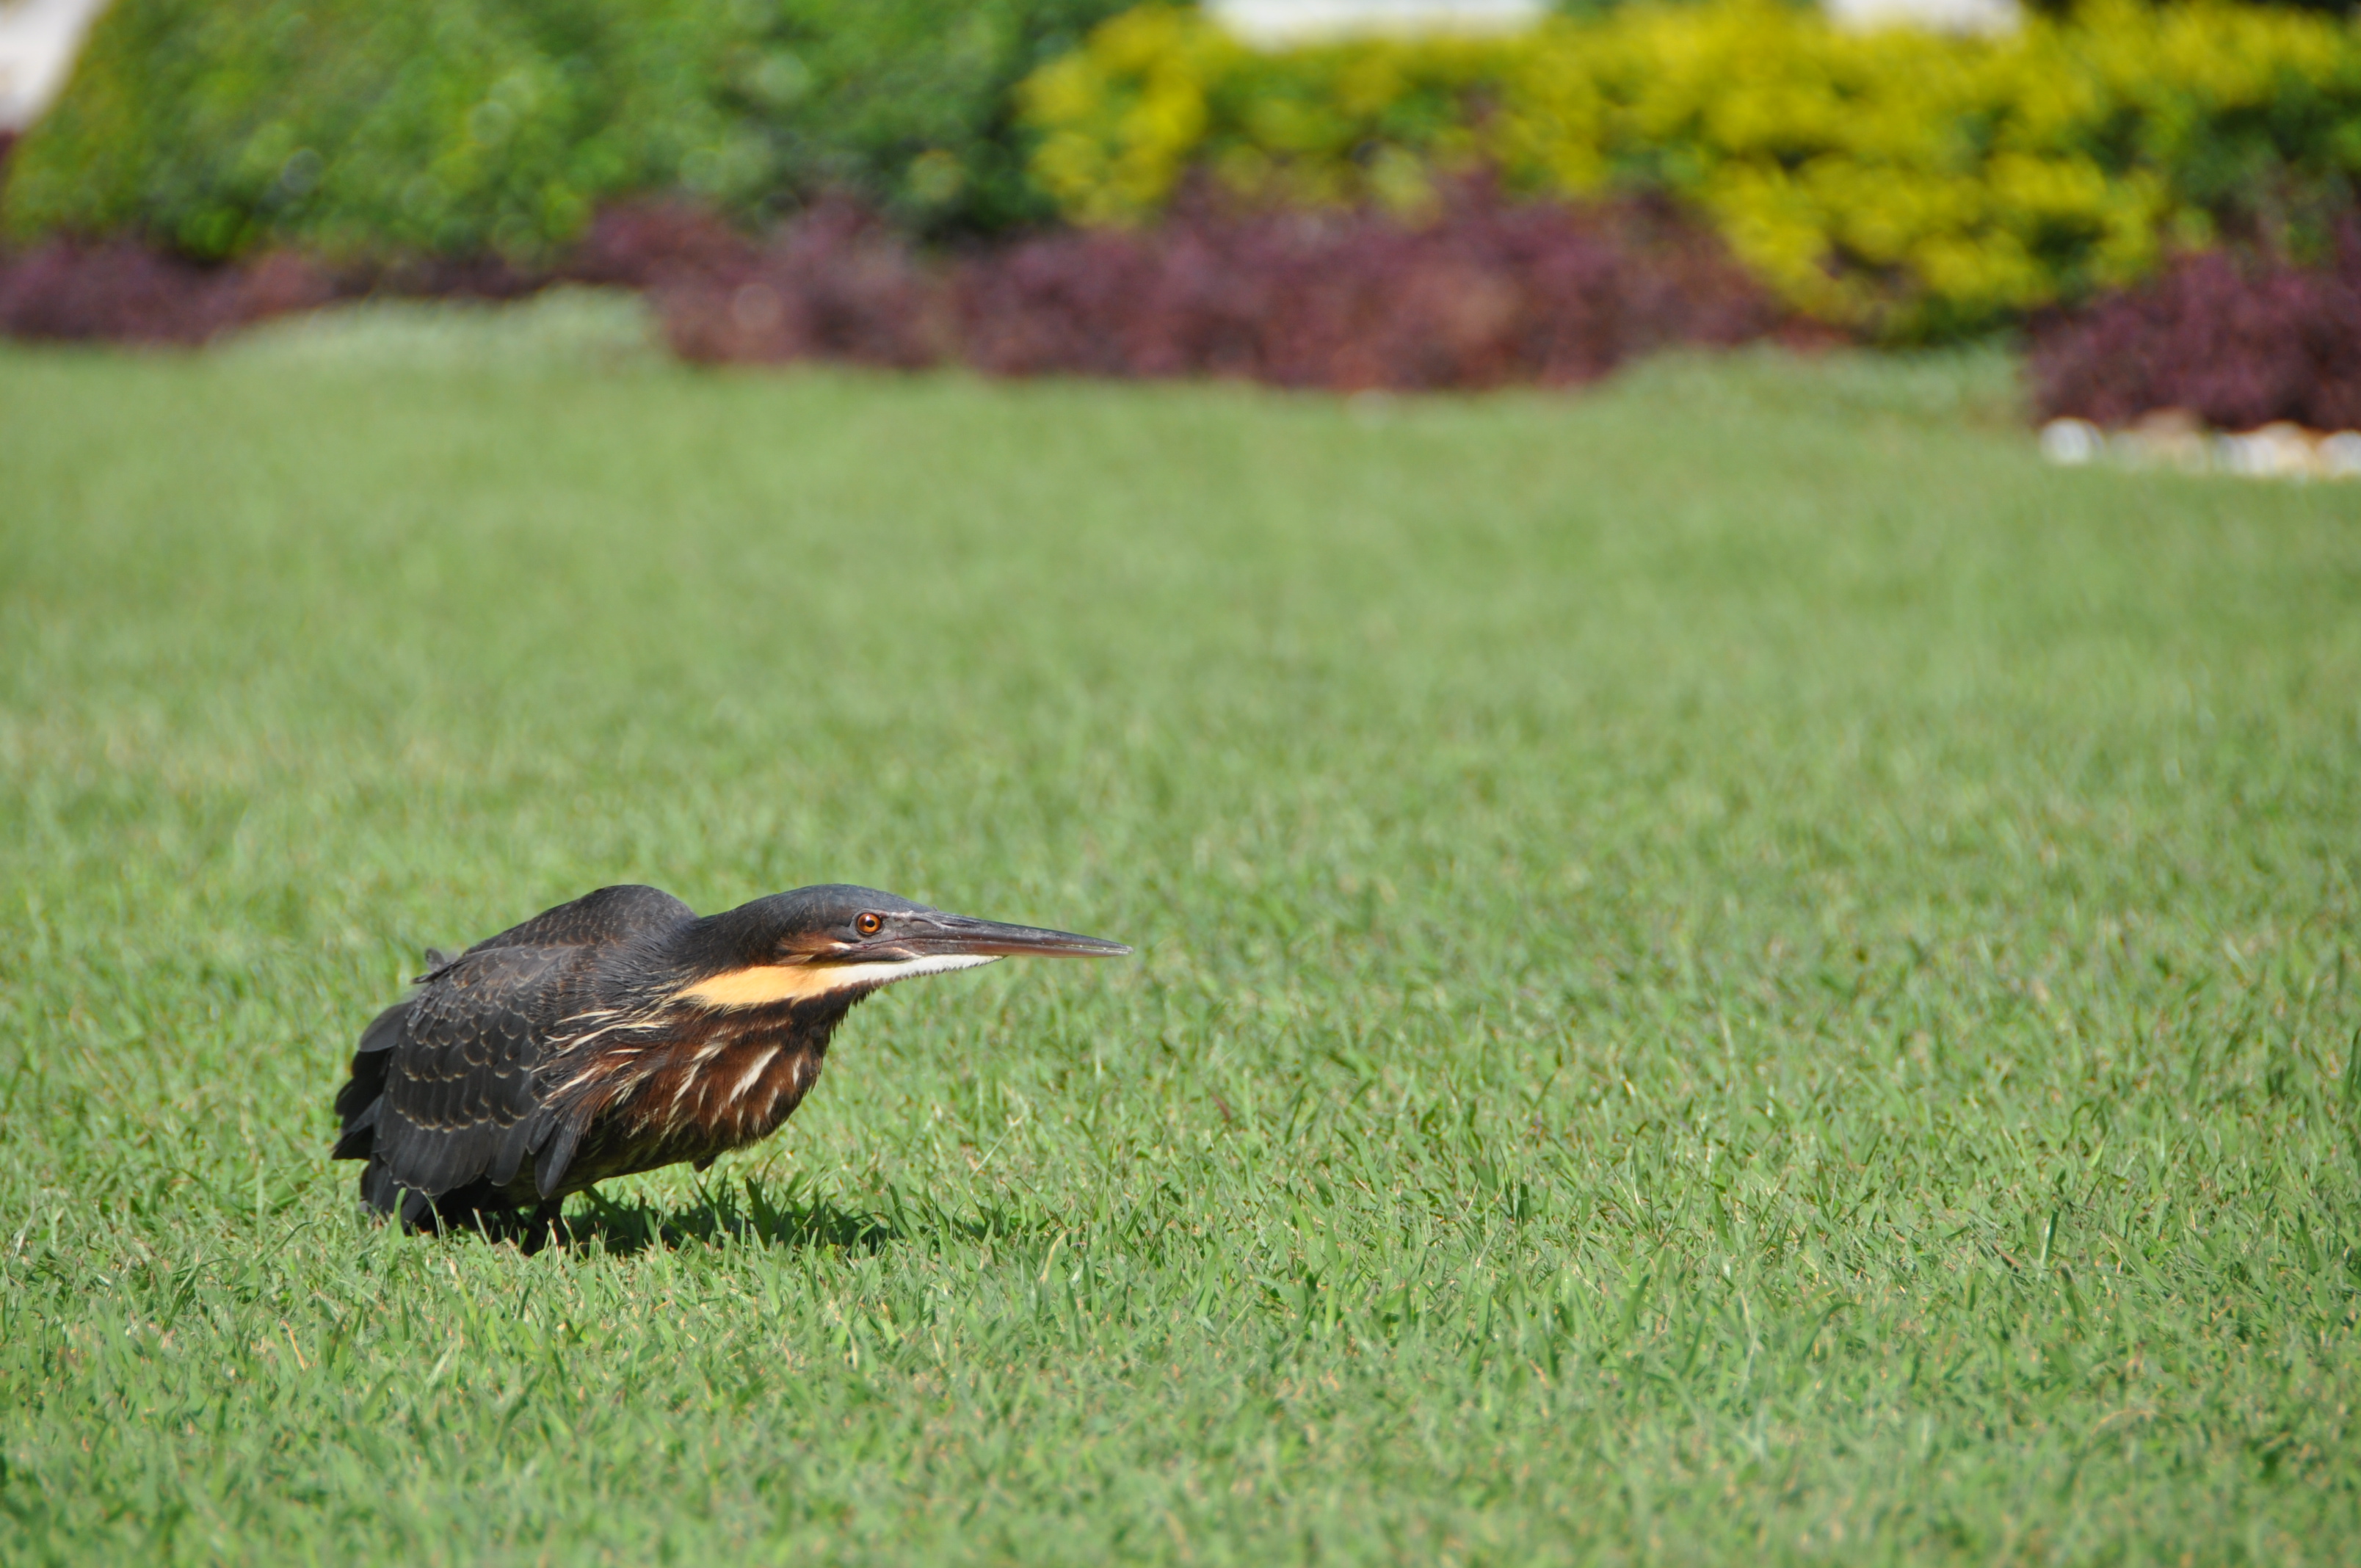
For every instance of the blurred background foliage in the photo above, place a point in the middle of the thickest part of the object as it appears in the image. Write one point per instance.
(1899, 179)
(454, 126)
(1896, 184)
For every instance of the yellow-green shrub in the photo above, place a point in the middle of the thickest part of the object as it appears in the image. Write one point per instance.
(1896, 181)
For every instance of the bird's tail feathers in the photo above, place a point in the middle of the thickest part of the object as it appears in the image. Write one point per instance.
(358, 1102)
(478, 1206)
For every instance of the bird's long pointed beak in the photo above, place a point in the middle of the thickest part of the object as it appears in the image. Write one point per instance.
(966, 936)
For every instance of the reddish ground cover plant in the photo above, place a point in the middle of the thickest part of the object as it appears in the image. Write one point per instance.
(1486, 292)
(124, 291)
(837, 284)
(2236, 343)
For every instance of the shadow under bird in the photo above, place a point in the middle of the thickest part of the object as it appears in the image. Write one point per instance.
(621, 1032)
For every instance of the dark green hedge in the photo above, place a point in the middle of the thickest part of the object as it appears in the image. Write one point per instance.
(451, 127)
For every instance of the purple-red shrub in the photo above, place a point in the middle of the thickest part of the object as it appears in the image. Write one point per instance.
(123, 292)
(644, 245)
(835, 283)
(489, 278)
(1487, 292)
(2237, 344)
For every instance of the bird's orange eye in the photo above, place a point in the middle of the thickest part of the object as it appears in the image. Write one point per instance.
(869, 925)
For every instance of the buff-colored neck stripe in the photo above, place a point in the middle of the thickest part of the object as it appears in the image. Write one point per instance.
(767, 985)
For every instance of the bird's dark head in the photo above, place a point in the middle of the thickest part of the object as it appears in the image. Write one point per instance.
(836, 940)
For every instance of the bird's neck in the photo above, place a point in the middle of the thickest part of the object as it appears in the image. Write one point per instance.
(733, 1074)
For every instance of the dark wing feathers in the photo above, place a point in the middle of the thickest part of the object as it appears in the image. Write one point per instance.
(442, 1094)
(597, 919)
(461, 1078)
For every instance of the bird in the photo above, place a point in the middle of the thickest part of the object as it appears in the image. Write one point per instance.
(622, 1032)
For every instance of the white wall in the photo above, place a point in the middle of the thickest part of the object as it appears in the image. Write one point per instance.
(38, 39)
(1940, 15)
(1275, 23)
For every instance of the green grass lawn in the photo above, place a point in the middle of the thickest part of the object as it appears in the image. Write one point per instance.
(1728, 967)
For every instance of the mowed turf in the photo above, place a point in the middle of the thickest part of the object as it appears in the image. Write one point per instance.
(1729, 968)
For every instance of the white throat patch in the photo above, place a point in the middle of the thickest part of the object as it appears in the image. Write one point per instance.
(765, 984)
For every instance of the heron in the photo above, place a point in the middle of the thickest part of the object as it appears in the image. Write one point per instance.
(621, 1033)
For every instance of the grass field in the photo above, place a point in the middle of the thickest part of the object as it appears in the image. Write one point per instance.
(1729, 968)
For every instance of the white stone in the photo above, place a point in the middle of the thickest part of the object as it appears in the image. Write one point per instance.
(2340, 456)
(2071, 442)
(2276, 451)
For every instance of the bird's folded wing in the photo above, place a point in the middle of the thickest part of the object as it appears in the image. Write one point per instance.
(460, 1095)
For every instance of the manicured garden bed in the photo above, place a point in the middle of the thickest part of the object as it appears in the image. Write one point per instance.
(2164, 198)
